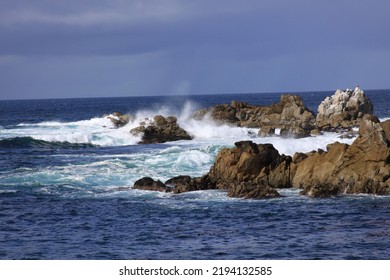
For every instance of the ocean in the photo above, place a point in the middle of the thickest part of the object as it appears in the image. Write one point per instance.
(66, 178)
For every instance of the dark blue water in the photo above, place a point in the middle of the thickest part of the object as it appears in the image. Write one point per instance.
(63, 200)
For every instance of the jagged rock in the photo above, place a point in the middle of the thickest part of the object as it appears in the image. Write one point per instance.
(119, 119)
(250, 170)
(149, 184)
(266, 131)
(247, 170)
(343, 109)
(176, 185)
(362, 167)
(290, 115)
(386, 128)
(160, 130)
(220, 113)
(182, 184)
(319, 190)
(252, 191)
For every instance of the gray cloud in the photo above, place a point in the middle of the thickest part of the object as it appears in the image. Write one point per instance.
(190, 46)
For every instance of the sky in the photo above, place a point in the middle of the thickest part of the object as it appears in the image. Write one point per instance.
(104, 48)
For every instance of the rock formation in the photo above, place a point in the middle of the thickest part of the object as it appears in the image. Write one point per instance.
(247, 170)
(362, 167)
(149, 184)
(343, 109)
(119, 119)
(160, 130)
(252, 170)
(289, 115)
(182, 184)
(177, 184)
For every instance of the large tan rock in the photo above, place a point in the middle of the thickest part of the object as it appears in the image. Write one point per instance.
(250, 170)
(362, 167)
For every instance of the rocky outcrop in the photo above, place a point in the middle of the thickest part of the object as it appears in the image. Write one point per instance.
(290, 116)
(119, 119)
(160, 130)
(177, 184)
(343, 109)
(182, 184)
(247, 170)
(149, 184)
(250, 170)
(255, 171)
(362, 167)
(386, 128)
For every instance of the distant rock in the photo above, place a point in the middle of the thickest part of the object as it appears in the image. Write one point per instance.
(119, 119)
(343, 109)
(290, 116)
(160, 130)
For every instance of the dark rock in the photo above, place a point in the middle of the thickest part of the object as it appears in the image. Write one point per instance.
(289, 114)
(321, 190)
(148, 184)
(160, 130)
(253, 191)
(182, 184)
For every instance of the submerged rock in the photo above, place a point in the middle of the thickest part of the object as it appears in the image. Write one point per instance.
(160, 130)
(343, 109)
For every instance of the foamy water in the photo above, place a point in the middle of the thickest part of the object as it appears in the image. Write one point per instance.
(66, 177)
(93, 174)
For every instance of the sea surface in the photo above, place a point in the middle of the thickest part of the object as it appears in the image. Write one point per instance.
(66, 177)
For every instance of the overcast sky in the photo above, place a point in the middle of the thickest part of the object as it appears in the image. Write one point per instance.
(75, 48)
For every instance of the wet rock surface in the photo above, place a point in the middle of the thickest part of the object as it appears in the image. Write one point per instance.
(289, 115)
(119, 119)
(160, 130)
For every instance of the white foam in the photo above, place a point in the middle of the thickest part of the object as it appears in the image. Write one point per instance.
(97, 131)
